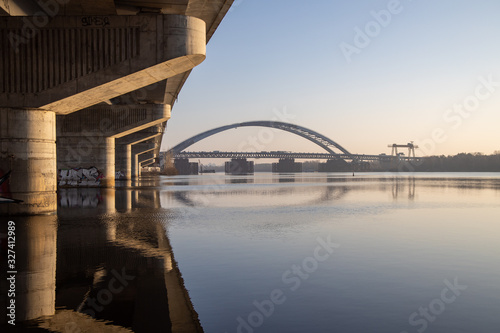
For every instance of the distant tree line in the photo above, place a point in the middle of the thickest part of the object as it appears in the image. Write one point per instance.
(463, 162)
(476, 162)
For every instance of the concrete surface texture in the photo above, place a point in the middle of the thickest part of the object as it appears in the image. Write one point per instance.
(28, 148)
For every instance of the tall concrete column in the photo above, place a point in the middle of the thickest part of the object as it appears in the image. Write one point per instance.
(109, 170)
(135, 166)
(124, 160)
(28, 149)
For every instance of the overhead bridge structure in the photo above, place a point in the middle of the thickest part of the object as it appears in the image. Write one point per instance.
(86, 88)
(289, 155)
(313, 136)
(334, 151)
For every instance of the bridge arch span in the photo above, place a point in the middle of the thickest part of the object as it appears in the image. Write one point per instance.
(315, 137)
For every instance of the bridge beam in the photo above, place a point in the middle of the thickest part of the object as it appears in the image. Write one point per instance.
(61, 78)
(86, 139)
(144, 158)
(137, 151)
(147, 162)
(18, 8)
(124, 148)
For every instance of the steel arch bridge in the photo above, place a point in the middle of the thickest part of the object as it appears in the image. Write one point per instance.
(315, 137)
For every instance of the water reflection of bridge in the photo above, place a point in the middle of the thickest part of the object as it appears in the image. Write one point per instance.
(323, 194)
(327, 193)
(93, 268)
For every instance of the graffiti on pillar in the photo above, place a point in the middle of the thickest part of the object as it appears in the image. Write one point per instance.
(80, 177)
(120, 175)
(6, 196)
(100, 21)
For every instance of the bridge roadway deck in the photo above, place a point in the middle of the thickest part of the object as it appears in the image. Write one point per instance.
(274, 154)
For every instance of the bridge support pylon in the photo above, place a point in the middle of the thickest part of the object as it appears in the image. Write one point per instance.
(287, 165)
(123, 159)
(239, 166)
(28, 150)
(184, 167)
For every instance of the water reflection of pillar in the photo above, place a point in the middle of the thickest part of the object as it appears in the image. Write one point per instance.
(398, 186)
(182, 314)
(163, 243)
(411, 188)
(36, 240)
(123, 200)
(135, 198)
(156, 199)
(108, 207)
(107, 204)
(395, 189)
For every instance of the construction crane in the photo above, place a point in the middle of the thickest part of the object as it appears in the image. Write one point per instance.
(411, 148)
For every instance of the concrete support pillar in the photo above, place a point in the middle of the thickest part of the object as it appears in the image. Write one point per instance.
(124, 161)
(109, 158)
(75, 152)
(135, 166)
(28, 149)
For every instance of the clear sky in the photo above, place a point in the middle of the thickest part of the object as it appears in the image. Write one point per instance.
(365, 73)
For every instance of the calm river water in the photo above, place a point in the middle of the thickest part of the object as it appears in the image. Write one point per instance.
(337, 253)
(312, 252)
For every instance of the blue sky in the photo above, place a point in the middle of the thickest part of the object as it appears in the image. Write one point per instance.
(429, 73)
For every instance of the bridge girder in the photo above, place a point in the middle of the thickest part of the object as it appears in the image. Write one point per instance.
(314, 156)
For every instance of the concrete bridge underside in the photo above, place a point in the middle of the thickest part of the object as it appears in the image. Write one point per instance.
(90, 85)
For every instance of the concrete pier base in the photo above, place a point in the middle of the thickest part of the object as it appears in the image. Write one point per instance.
(28, 149)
